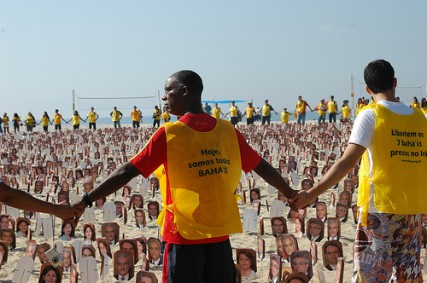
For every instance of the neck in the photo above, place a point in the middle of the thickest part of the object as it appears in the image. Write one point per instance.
(387, 96)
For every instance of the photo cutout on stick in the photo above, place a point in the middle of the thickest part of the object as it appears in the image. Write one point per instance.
(278, 226)
(321, 211)
(4, 252)
(301, 262)
(8, 235)
(31, 249)
(289, 245)
(246, 259)
(334, 228)
(315, 229)
(130, 245)
(146, 277)
(275, 272)
(48, 273)
(342, 212)
(155, 251)
(331, 251)
(124, 267)
(89, 234)
(110, 231)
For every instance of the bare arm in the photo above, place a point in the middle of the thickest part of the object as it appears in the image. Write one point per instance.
(271, 176)
(351, 156)
(22, 200)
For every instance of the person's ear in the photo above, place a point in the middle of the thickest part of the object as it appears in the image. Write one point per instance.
(394, 82)
(368, 90)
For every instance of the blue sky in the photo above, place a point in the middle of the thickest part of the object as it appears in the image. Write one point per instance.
(242, 49)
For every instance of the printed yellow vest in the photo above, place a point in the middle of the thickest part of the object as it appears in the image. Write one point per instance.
(135, 115)
(45, 121)
(399, 163)
(284, 116)
(300, 107)
(233, 111)
(204, 170)
(332, 106)
(57, 119)
(75, 120)
(115, 117)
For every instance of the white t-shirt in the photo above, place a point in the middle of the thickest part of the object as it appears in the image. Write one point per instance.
(363, 133)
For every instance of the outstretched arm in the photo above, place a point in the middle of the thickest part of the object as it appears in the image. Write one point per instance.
(271, 176)
(22, 200)
(117, 179)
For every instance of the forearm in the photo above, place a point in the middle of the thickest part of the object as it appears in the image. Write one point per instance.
(22, 200)
(271, 176)
(117, 179)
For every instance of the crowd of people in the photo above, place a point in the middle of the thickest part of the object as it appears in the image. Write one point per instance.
(313, 206)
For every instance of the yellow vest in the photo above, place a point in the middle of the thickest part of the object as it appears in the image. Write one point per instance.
(424, 109)
(266, 110)
(45, 121)
(57, 119)
(332, 106)
(300, 107)
(216, 113)
(233, 111)
(250, 112)
(75, 120)
(156, 114)
(415, 105)
(399, 164)
(321, 110)
(204, 169)
(92, 117)
(30, 121)
(115, 116)
(135, 115)
(359, 107)
(345, 110)
(284, 117)
(6, 121)
(165, 116)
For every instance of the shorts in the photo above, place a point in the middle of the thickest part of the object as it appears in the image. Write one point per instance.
(206, 263)
(389, 247)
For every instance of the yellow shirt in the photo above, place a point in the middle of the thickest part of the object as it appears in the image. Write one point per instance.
(92, 117)
(359, 106)
(332, 106)
(203, 178)
(75, 120)
(135, 115)
(216, 112)
(233, 111)
(321, 109)
(415, 105)
(345, 110)
(30, 121)
(45, 121)
(166, 117)
(399, 163)
(266, 110)
(6, 121)
(115, 115)
(284, 117)
(250, 112)
(156, 114)
(57, 119)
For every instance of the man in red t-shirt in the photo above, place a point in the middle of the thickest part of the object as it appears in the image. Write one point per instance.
(205, 259)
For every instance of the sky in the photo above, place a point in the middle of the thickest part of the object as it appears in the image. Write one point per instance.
(249, 50)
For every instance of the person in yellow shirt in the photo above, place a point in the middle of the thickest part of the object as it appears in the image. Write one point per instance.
(92, 116)
(116, 116)
(249, 112)
(321, 108)
(415, 103)
(6, 123)
(285, 116)
(359, 106)
(157, 114)
(76, 120)
(16, 120)
(332, 109)
(166, 117)
(30, 122)
(424, 106)
(266, 112)
(57, 118)
(45, 121)
(391, 195)
(345, 112)
(234, 113)
(216, 112)
(136, 116)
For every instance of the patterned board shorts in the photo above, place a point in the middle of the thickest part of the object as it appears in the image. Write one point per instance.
(388, 248)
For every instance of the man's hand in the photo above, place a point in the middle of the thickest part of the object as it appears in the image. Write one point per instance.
(302, 200)
(65, 211)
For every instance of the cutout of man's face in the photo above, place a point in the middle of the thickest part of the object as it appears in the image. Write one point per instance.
(123, 265)
(278, 227)
(314, 229)
(333, 228)
(299, 264)
(320, 210)
(110, 233)
(288, 245)
(332, 253)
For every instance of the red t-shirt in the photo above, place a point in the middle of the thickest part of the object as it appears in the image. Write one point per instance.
(154, 154)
